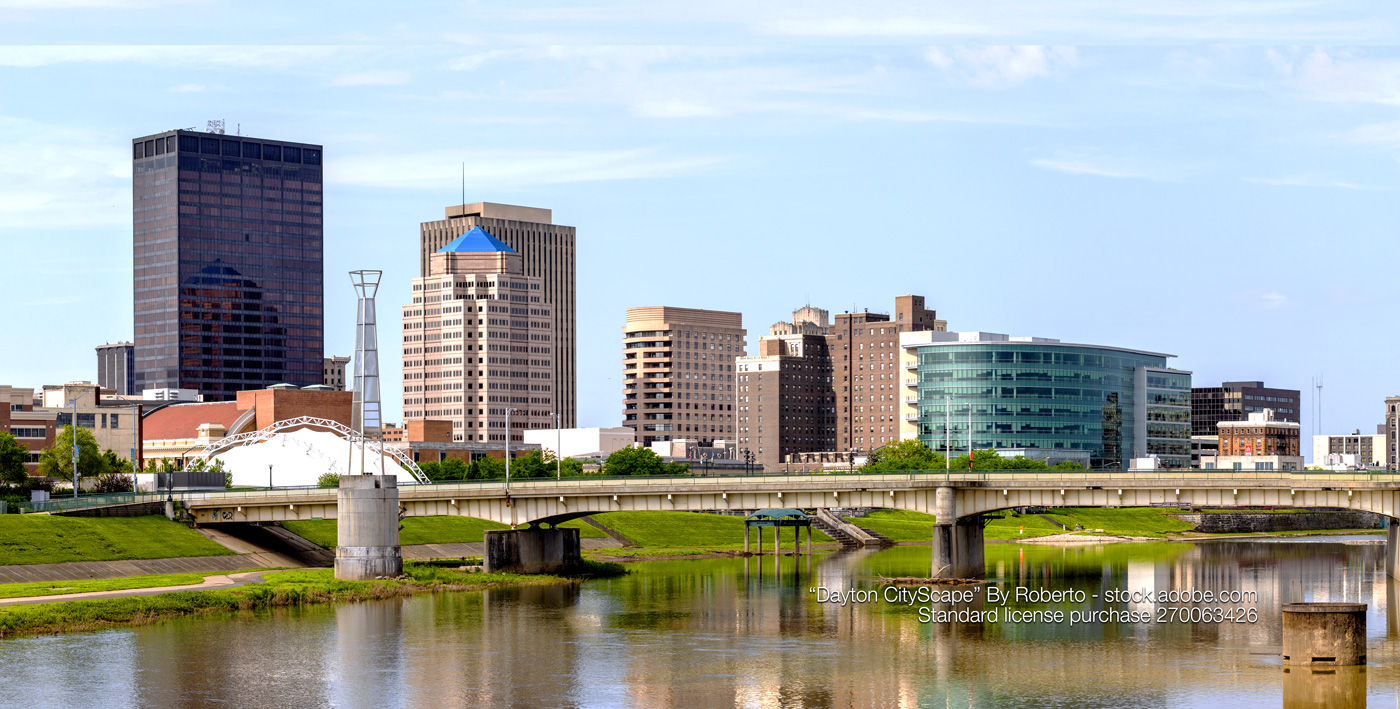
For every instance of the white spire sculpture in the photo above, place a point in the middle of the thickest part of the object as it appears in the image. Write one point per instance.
(365, 414)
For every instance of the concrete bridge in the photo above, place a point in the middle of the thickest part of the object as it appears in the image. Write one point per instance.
(956, 498)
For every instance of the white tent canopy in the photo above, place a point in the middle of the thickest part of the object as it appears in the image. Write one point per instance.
(301, 457)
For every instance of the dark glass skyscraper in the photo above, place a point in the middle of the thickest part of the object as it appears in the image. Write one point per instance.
(228, 262)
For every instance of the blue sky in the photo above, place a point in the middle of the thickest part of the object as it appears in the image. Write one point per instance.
(1216, 180)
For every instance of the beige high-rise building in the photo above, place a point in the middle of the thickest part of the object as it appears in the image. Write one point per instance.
(478, 341)
(547, 252)
(678, 373)
(333, 372)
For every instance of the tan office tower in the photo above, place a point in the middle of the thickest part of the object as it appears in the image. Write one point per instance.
(477, 341)
(678, 373)
(547, 251)
(865, 375)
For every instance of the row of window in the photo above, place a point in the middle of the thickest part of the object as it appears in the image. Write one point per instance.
(226, 147)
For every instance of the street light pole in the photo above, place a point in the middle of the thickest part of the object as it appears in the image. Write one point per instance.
(75, 447)
(508, 412)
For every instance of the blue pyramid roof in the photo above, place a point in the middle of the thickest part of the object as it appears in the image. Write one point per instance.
(475, 241)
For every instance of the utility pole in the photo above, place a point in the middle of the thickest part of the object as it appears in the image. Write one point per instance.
(75, 447)
(558, 448)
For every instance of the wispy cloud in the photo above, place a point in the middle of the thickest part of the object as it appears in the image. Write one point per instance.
(372, 78)
(1081, 167)
(89, 4)
(59, 177)
(497, 169)
(1312, 181)
(1273, 300)
(248, 56)
(1387, 134)
(1347, 77)
(1000, 66)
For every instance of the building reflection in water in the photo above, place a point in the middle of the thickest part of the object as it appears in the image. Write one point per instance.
(747, 632)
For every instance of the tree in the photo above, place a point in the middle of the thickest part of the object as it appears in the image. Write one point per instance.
(570, 468)
(112, 482)
(1066, 465)
(905, 455)
(432, 469)
(328, 480)
(13, 456)
(116, 463)
(641, 461)
(487, 469)
(454, 469)
(57, 461)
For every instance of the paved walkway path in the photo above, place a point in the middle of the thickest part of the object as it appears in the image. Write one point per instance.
(80, 570)
(219, 581)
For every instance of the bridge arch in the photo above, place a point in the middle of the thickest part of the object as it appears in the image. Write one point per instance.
(351, 435)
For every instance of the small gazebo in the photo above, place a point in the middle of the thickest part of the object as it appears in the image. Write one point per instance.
(777, 519)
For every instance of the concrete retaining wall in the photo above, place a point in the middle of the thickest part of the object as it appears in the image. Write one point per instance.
(1241, 522)
(136, 509)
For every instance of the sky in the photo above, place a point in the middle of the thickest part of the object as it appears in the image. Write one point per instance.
(1216, 180)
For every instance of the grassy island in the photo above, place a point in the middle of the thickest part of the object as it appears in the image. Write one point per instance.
(279, 588)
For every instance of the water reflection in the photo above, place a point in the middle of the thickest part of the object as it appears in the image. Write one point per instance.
(747, 632)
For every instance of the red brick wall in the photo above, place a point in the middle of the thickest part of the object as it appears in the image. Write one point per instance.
(429, 430)
(275, 405)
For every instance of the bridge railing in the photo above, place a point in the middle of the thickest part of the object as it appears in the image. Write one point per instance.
(717, 483)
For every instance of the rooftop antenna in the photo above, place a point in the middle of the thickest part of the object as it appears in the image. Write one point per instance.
(215, 126)
(1317, 399)
(464, 182)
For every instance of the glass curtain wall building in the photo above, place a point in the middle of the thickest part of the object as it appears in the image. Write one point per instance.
(228, 263)
(1020, 392)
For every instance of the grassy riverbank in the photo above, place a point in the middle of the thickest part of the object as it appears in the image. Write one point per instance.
(280, 588)
(49, 539)
(60, 588)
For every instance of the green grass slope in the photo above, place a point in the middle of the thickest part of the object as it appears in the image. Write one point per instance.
(59, 588)
(422, 530)
(689, 530)
(48, 539)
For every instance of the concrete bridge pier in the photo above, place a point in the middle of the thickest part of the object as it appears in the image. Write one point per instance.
(367, 526)
(1392, 549)
(957, 543)
(533, 550)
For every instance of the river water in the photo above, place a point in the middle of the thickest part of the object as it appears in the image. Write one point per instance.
(751, 633)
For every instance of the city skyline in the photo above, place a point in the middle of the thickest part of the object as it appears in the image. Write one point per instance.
(978, 176)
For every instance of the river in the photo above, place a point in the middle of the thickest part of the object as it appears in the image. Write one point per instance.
(750, 633)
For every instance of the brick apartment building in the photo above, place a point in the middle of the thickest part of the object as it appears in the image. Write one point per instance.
(816, 387)
(865, 371)
(35, 430)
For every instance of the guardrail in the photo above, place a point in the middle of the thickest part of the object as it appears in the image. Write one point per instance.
(1102, 478)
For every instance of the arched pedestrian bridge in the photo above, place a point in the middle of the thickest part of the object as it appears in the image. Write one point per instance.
(957, 497)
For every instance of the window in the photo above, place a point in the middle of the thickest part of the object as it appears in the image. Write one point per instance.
(114, 420)
(27, 432)
(189, 144)
(231, 148)
(272, 152)
(209, 146)
(137, 150)
(312, 156)
(252, 151)
(290, 154)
